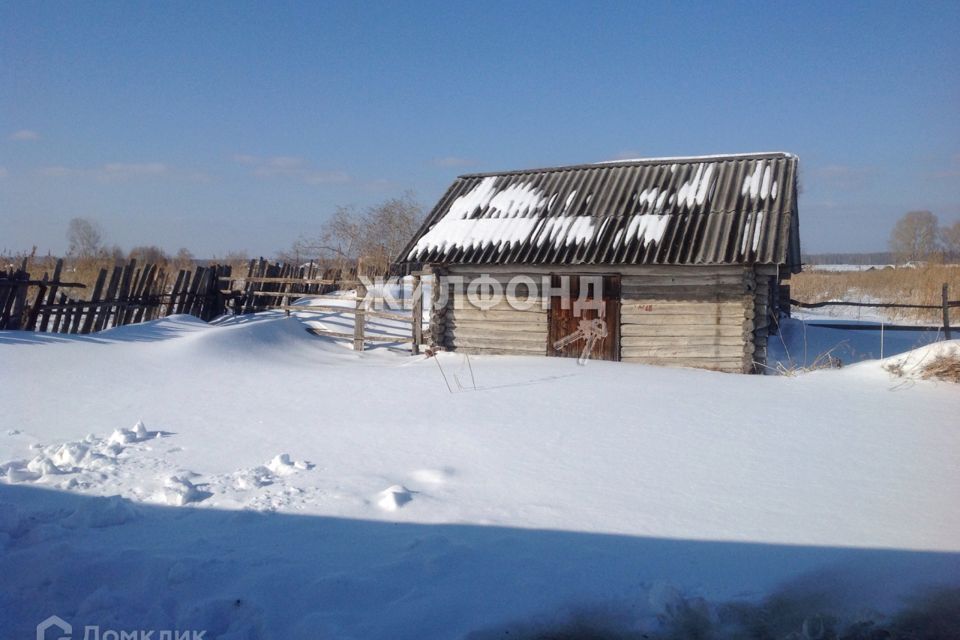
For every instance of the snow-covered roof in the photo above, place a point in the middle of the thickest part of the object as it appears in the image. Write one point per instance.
(731, 209)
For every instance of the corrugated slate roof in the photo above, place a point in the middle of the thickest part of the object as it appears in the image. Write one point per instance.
(739, 209)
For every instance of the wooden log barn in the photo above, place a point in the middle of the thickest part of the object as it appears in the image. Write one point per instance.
(691, 256)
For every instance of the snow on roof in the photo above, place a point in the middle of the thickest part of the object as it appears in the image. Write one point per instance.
(735, 209)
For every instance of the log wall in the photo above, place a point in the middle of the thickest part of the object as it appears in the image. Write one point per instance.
(501, 329)
(713, 317)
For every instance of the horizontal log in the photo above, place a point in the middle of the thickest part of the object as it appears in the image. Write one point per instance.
(502, 304)
(493, 338)
(500, 345)
(668, 341)
(705, 320)
(495, 314)
(686, 308)
(680, 331)
(498, 351)
(731, 365)
(539, 325)
(685, 351)
(673, 292)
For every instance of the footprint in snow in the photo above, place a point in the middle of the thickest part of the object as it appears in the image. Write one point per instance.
(433, 476)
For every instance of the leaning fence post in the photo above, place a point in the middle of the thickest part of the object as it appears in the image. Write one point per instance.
(946, 311)
(359, 318)
(417, 313)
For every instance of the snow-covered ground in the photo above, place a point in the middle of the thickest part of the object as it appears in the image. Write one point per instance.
(255, 481)
(846, 267)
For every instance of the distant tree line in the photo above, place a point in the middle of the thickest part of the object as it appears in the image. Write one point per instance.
(876, 257)
(916, 237)
(351, 237)
(85, 242)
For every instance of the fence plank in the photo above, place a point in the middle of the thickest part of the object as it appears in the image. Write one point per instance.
(106, 314)
(417, 314)
(946, 311)
(93, 310)
(359, 318)
(52, 294)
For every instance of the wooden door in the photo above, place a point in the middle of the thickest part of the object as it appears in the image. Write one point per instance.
(565, 322)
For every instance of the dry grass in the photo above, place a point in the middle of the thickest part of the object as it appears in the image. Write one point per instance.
(943, 367)
(921, 285)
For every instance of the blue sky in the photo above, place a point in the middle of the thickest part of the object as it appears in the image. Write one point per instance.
(238, 126)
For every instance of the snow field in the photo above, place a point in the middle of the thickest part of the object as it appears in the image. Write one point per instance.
(256, 481)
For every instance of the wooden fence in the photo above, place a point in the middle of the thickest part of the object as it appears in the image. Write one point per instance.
(944, 307)
(130, 294)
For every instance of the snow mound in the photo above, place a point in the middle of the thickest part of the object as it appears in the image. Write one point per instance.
(270, 337)
(282, 465)
(919, 363)
(179, 491)
(253, 478)
(268, 473)
(138, 433)
(393, 498)
(102, 512)
(91, 454)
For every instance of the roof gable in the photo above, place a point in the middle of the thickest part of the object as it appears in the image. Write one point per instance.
(707, 210)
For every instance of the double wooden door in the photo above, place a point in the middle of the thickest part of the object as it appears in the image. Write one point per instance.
(599, 308)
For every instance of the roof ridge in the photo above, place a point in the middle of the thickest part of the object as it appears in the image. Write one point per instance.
(637, 162)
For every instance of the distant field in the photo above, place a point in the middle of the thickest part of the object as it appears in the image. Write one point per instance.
(860, 283)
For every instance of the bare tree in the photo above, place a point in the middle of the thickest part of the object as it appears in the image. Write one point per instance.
(183, 259)
(374, 236)
(148, 254)
(915, 236)
(951, 240)
(84, 238)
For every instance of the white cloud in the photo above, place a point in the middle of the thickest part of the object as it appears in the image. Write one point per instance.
(127, 169)
(291, 167)
(24, 134)
(326, 177)
(111, 171)
(280, 166)
(57, 171)
(845, 177)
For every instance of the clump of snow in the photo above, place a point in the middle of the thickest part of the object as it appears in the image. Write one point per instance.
(282, 465)
(179, 491)
(696, 189)
(138, 433)
(394, 497)
(646, 228)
